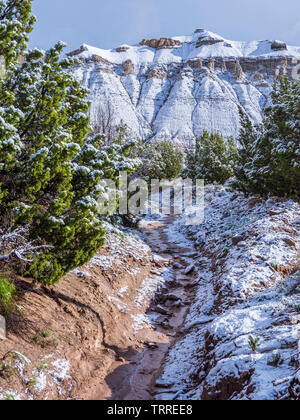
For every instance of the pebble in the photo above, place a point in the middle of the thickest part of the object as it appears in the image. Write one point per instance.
(189, 269)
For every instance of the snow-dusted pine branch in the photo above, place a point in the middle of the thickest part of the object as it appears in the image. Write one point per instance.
(15, 245)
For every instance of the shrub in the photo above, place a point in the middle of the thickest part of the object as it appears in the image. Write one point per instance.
(275, 360)
(271, 164)
(45, 339)
(213, 159)
(160, 160)
(248, 137)
(50, 167)
(254, 343)
(7, 291)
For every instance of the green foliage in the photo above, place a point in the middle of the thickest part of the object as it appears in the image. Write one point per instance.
(213, 159)
(270, 157)
(254, 343)
(248, 137)
(50, 167)
(31, 383)
(16, 22)
(160, 160)
(10, 397)
(7, 370)
(275, 360)
(45, 339)
(47, 183)
(7, 291)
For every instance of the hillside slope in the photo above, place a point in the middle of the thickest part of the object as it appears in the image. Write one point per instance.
(171, 323)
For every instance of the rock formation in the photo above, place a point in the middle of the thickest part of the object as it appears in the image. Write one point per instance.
(177, 87)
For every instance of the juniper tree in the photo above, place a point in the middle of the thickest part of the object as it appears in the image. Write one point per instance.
(213, 159)
(16, 22)
(248, 136)
(50, 169)
(160, 160)
(277, 151)
(269, 159)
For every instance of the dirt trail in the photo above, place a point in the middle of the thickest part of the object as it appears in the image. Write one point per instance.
(137, 378)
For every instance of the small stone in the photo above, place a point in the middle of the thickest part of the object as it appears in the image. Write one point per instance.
(151, 345)
(165, 396)
(279, 46)
(165, 324)
(173, 304)
(237, 239)
(2, 328)
(189, 269)
(163, 384)
(290, 242)
(192, 255)
(177, 266)
(274, 212)
(254, 201)
(160, 262)
(161, 310)
(242, 244)
(172, 296)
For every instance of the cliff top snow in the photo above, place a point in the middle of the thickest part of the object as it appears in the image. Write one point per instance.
(202, 44)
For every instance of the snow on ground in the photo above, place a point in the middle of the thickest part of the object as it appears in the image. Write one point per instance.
(47, 379)
(248, 286)
(189, 49)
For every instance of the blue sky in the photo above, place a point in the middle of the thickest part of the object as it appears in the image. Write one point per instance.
(109, 23)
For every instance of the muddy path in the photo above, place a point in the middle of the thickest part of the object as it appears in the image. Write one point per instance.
(138, 377)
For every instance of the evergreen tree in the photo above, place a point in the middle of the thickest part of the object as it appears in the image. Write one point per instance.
(160, 160)
(277, 152)
(248, 136)
(213, 159)
(16, 22)
(271, 166)
(49, 167)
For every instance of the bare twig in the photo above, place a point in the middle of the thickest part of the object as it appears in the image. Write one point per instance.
(15, 244)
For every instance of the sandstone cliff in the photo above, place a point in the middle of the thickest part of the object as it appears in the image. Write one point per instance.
(177, 87)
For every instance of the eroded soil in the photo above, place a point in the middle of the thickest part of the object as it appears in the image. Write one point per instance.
(137, 379)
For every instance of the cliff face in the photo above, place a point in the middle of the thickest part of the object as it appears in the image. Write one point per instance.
(177, 87)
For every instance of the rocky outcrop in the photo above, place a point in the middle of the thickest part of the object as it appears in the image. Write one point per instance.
(123, 48)
(80, 50)
(99, 59)
(203, 40)
(157, 74)
(177, 87)
(128, 67)
(161, 43)
(278, 46)
(238, 71)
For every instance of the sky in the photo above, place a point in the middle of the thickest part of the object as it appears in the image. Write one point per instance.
(110, 23)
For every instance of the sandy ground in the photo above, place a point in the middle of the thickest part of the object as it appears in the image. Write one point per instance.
(105, 330)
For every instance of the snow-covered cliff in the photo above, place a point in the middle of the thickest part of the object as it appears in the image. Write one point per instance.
(177, 87)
